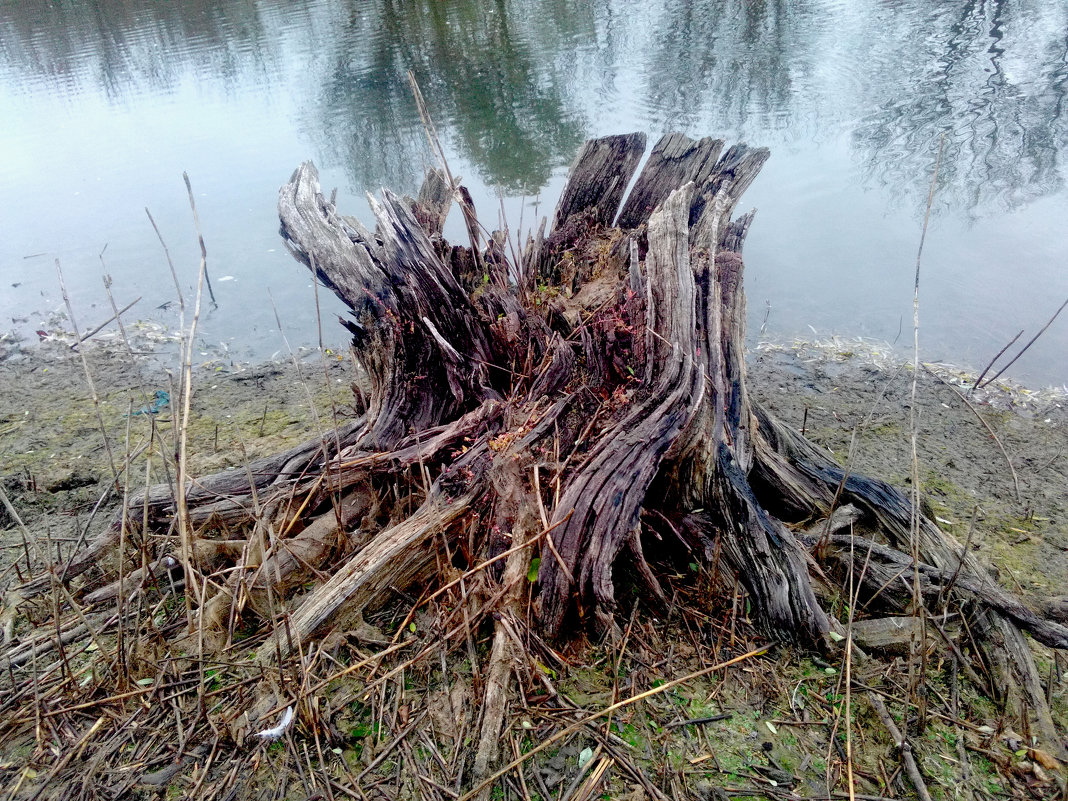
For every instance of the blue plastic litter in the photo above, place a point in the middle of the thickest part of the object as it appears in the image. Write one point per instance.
(163, 398)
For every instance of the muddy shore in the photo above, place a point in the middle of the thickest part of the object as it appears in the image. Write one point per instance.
(55, 466)
(62, 439)
(852, 398)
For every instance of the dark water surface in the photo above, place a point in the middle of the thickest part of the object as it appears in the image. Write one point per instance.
(104, 103)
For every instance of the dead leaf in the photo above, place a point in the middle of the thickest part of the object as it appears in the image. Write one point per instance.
(1043, 759)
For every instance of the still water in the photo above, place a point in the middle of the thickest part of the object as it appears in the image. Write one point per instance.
(104, 103)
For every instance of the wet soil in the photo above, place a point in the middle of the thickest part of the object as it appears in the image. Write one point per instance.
(847, 398)
(64, 439)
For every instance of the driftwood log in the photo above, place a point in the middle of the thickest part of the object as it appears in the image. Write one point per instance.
(582, 402)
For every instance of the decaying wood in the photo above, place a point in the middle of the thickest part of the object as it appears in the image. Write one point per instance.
(603, 501)
(603, 400)
(432, 206)
(675, 161)
(887, 568)
(729, 473)
(291, 561)
(1016, 678)
(223, 498)
(425, 349)
(887, 634)
(399, 556)
(903, 746)
(517, 515)
(598, 178)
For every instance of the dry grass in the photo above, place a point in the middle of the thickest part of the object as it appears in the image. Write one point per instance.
(691, 705)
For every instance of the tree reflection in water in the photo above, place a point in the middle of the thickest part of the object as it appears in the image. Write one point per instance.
(496, 96)
(991, 77)
(515, 85)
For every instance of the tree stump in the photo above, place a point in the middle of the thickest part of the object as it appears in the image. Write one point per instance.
(583, 404)
(600, 382)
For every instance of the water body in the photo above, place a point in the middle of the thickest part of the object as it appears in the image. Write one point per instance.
(104, 103)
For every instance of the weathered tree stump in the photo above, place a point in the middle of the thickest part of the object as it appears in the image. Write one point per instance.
(588, 401)
(610, 364)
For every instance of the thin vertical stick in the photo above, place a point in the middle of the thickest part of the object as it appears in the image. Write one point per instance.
(519, 238)
(850, 782)
(120, 645)
(111, 300)
(508, 237)
(854, 596)
(200, 238)
(185, 528)
(181, 328)
(144, 526)
(461, 195)
(170, 263)
(336, 496)
(918, 644)
(88, 376)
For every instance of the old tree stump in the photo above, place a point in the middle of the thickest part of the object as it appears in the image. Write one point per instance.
(579, 410)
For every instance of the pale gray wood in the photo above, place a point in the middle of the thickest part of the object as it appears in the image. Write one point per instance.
(734, 173)
(887, 634)
(434, 202)
(598, 178)
(599, 510)
(397, 557)
(675, 160)
(415, 332)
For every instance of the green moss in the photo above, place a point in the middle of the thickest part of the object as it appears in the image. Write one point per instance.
(589, 687)
(888, 430)
(936, 484)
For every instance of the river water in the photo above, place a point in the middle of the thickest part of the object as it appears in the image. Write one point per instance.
(104, 104)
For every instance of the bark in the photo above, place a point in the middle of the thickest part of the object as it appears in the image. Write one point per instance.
(423, 346)
(675, 161)
(598, 178)
(603, 501)
(515, 513)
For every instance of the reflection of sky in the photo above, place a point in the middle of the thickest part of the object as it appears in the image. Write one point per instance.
(78, 201)
(105, 107)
